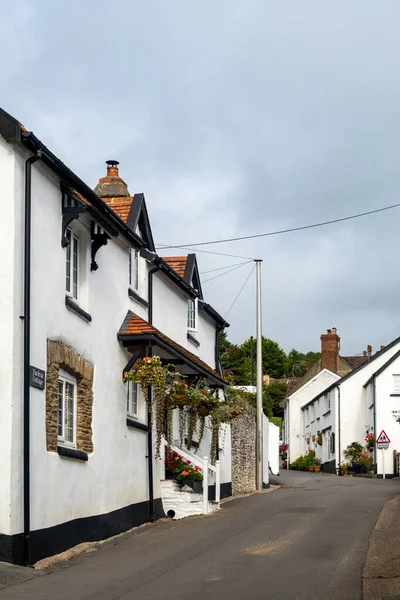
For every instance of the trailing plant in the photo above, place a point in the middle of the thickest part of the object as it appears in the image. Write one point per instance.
(317, 462)
(370, 441)
(177, 394)
(192, 422)
(319, 439)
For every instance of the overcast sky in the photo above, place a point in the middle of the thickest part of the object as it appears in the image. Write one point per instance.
(235, 117)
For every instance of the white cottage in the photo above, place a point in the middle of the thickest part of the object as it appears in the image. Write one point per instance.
(346, 411)
(84, 294)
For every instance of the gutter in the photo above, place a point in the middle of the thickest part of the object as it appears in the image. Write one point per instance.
(27, 352)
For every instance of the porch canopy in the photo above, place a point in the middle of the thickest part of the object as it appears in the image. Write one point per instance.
(138, 337)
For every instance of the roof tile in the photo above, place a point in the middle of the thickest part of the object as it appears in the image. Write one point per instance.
(178, 263)
(121, 206)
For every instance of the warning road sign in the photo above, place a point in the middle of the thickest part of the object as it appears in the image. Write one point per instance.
(382, 439)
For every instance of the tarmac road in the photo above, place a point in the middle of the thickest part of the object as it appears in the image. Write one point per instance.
(307, 539)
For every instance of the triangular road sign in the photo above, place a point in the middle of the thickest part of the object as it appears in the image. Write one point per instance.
(382, 438)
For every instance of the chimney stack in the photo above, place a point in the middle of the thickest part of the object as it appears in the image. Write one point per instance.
(112, 186)
(330, 345)
(369, 350)
(382, 347)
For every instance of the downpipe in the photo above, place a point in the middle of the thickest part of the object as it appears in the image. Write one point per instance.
(27, 351)
(149, 392)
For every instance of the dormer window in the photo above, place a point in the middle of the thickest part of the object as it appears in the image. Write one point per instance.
(134, 269)
(192, 314)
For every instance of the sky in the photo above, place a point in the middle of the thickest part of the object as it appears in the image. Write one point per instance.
(235, 118)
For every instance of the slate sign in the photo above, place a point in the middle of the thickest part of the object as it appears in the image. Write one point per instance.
(37, 378)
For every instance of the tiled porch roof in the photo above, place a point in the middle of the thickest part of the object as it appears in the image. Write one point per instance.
(135, 329)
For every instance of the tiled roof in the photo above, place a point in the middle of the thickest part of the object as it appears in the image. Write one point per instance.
(121, 206)
(178, 263)
(354, 361)
(135, 325)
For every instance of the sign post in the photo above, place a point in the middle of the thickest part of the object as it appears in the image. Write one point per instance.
(382, 443)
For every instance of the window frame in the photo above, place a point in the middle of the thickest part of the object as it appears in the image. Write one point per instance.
(72, 282)
(192, 314)
(132, 392)
(66, 379)
(133, 278)
(396, 383)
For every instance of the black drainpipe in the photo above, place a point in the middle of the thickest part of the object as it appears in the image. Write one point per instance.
(339, 428)
(149, 391)
(27, 351)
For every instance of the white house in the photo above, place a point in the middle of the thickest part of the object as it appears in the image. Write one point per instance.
(344, 412)
(84, 294)
(330, 367)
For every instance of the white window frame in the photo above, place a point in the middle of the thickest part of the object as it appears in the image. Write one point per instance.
(328, 401)
(66, 379)
(72, 279)
(192, 314)
(132, 399)
(396, 383)
(134, 269)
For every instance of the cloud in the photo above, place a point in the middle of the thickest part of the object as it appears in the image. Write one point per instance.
(235, 118)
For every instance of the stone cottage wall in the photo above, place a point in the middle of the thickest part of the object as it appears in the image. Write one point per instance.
(244, 455)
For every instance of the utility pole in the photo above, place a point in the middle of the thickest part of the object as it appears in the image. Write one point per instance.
(259, 437)
(252, 359)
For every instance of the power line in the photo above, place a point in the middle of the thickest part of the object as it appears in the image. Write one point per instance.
(222, 268)
(226, 273)
(240, 291)
(163, 247)
(302, 228)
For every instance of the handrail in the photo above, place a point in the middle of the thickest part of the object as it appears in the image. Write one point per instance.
(205, 466)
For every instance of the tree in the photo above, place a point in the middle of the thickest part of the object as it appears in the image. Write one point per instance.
(273, 395)
(273, 357)
(297, 363)
(233, 362)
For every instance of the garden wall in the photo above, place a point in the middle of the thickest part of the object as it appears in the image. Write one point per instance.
(243, 435)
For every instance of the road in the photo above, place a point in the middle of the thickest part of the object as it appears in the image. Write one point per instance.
(307, 539)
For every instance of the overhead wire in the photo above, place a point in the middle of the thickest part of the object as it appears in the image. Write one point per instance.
(292, 229)
(240, 291)
(163, 247)
(222, 268)
(230, 271)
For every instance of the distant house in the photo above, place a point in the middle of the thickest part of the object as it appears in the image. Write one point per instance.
(324, 372)
(364, 400)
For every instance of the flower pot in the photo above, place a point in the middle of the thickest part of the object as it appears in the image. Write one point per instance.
(345, 472)
(311, 468)
(317, 468)
(169, 474)
(197, 486)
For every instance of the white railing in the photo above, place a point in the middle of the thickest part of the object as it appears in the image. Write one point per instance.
(205, 466)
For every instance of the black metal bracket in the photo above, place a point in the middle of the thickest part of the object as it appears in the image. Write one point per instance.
(99, 239)
(70, 211)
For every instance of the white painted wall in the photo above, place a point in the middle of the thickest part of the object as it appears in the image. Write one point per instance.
(9, 327)
(294, 417)
(387, 411)
(354, 421)
(116, 474)
(321, 416)
(273, 447)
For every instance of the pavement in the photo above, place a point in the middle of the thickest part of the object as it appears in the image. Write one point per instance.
(306, 540)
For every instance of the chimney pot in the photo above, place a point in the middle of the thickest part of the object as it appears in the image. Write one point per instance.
(329, 331)
(382, 347)
(369, 350)
(112, 185)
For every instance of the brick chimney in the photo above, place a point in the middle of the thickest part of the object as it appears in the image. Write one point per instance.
(369, 350)
(382, 347)
(112, 186)
(330, 345)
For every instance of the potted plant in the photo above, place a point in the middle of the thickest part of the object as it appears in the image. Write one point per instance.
(352, 454)
(366, 461)
(183, 471)
(192, 477)
(317, 465)
(319, 439)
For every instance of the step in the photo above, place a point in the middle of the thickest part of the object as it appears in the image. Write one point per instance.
(182, 504)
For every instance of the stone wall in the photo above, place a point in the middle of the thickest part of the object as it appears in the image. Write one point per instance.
(61, 356)
(244, 455)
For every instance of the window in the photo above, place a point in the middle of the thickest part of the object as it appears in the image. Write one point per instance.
(192, 314)
(72, 262)
(134, 268)
(328, 401)
(312, 412)
(332, 443)
(396, 384)
(66, 408)
(132, 399)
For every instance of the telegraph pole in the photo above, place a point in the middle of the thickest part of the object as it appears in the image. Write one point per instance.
(259, 436)
(252, 359)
